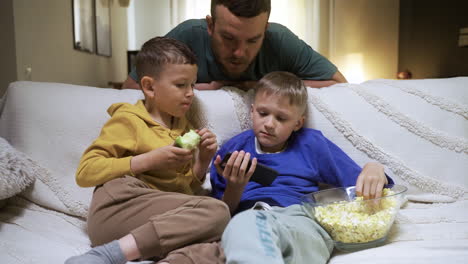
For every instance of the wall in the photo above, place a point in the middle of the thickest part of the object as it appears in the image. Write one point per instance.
(8, 50)
(118, 61)
(364, 38)
(308, 19)
(148, 18)
(429, 36)
(44, 43)
(319, 32)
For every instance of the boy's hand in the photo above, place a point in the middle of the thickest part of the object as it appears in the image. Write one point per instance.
(235, 172)
(371, 181)
(208, 144)
(168, 157)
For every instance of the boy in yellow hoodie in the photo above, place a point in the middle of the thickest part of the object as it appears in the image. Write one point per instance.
(144, 205)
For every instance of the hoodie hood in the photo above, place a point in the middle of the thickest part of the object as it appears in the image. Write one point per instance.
(137, 109)
(180, 125)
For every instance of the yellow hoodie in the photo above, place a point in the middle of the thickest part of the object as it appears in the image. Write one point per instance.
(129, 132)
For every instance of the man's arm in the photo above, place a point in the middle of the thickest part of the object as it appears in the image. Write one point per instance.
(129, 83)
(215, 85)
(336, 78)
(339, 78)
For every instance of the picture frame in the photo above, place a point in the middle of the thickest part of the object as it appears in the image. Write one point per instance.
(103, 28)
(84, 37)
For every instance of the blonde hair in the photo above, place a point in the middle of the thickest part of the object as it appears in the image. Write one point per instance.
(284, 84)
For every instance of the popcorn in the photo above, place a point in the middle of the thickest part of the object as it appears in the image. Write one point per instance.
(358, 221)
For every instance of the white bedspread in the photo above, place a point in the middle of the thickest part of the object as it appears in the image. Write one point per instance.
(32, 234)
(423, 233)
(418, 129)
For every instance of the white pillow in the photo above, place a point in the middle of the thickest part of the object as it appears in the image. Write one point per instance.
(226, 112)
(417, 129)
(54, 123)
(17, 170)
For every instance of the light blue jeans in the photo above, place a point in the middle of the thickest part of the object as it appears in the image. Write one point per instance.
(280, 235)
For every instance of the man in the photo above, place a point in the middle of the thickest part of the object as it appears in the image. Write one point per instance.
(237, 46)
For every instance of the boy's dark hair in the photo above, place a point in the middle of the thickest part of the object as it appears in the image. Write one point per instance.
(284, 84)
(242, 8)
(159, 51)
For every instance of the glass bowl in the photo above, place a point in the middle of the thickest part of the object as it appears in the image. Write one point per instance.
(352, 222)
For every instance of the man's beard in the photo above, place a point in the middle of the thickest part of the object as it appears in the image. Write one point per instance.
(235, 75)
(223, 67)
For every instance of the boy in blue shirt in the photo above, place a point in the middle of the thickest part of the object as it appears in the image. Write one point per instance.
(283, 231)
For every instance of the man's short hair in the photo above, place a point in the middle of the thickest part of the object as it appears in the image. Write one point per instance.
(242, 8)
(284, 84)
(159, 51)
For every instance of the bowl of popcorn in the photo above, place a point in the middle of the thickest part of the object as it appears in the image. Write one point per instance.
(355, 223)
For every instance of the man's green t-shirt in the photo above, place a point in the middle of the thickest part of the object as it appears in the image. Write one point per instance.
(281, 51)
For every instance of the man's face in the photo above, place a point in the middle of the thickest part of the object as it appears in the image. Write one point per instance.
(236, 40)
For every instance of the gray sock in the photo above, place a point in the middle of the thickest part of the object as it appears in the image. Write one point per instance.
(109, 253)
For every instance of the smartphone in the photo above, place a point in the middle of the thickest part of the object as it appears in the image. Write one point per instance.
(263, 174)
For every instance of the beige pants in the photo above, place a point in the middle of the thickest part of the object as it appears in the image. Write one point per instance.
(161, 222)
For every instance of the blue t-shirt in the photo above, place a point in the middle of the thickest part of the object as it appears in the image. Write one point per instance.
(281, 51)
(309, 158)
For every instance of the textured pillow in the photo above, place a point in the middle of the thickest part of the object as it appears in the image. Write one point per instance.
(54, 123)
(17, 171)
(417, 129)
(225, 112)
